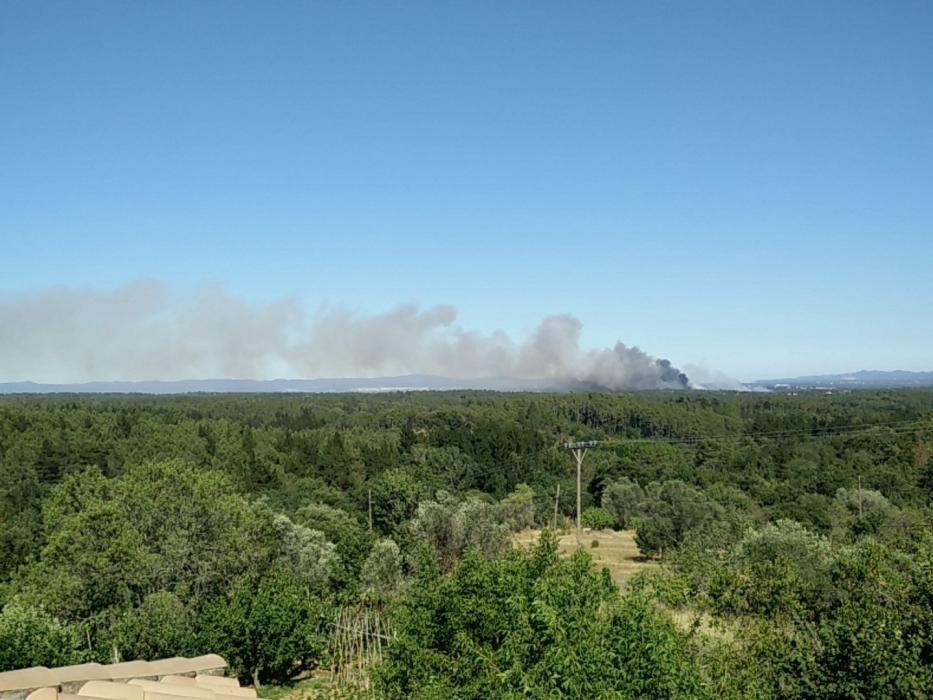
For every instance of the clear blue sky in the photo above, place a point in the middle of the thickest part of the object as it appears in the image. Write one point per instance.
(745, 184)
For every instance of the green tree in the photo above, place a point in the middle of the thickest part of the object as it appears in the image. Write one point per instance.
(782, 568)
(161, 627)
(863, 510)
(381, 576)
(74, 494)
(451, 527)
(533, 626)
(31, 637)
(306, 553)
(623, 500)
(20, 502)
(268, 628)
(395, 494)
(671, 511)
(874, 639)
(352, 541)
(597, 518)
(517, 510)
(203, 533)
(94, 561)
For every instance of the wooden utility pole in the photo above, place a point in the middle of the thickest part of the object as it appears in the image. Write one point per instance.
(370, 510)
(579, 450)
(859, 496)
(556, 504)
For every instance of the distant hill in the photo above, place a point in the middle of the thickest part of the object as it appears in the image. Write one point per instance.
(412, 382)
(864, 379)
(428, 382)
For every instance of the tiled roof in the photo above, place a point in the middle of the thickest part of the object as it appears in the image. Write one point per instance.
(181, 679)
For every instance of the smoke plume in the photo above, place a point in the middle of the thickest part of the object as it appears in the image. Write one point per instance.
(142, 331)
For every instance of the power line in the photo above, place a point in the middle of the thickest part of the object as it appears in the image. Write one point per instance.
(827, 432)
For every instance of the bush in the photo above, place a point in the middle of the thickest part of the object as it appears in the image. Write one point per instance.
(159, 628)
(780, 569)
(869, 639)
(662, 584)
(352, 541)
(31, 637)
(671, 511)
(596, 519)
(452, 527)
(381, 577)
(622, 499)
(306, 552)
(517, 510)
(533, 625)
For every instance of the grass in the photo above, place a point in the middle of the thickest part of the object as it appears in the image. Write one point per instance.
(704, 624)
(320, 684)
(616, 550)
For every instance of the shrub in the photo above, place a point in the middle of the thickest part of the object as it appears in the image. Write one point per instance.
(31, 637)
(780, 568)
(597, 519)
(671, 511)
(381, 576)
(452, 527)
(517, 510)
(666, 586)
(161, 627)
(533, 625)
(622, 500)
(306, 552)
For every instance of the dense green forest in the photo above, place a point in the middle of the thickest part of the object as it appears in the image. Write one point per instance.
(794, 535)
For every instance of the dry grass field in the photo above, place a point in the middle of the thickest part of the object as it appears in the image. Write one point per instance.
(617, 550)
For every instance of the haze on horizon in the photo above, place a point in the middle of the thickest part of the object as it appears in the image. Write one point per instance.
(235, 189)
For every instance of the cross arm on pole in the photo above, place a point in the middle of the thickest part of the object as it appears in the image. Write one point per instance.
(579, 450)
(582, 445)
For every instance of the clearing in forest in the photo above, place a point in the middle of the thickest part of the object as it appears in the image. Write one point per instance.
(617, 550)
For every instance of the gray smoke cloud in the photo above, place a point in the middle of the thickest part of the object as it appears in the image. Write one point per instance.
(143, 331)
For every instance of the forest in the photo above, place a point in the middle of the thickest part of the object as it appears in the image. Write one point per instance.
(789, 537)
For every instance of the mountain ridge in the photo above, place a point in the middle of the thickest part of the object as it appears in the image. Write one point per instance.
(410, 382)
(863, 379)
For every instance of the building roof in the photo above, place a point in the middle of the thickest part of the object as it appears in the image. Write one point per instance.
(27, 678)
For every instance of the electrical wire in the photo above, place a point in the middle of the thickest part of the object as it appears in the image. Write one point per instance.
(828, 432)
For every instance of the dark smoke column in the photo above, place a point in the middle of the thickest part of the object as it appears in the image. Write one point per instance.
(624, 368)
(671, 377)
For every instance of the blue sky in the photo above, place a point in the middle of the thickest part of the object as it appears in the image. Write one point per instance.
(744, 184)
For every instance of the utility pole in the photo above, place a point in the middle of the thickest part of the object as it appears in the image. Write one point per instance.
(556, 504)
(370, 510)
(579, 450)
(859, 496)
